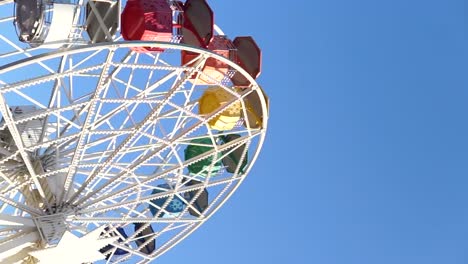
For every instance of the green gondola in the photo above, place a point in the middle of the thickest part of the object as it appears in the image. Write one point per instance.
(204, 166)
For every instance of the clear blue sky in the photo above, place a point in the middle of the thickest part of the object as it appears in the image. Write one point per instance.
(366, 158)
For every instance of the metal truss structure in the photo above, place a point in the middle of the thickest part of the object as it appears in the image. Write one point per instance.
(92, 136)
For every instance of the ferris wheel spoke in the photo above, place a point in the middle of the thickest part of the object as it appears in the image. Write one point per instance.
(166, 225)
(14, 243)
(29, 181)
(188, 106)
(50, 145)
(152, 67)
(45, 78)
(61, 88)
(111, 84)
(131, 149)
(8, 230)
(100, 154)
(4, 207)
(102, 85)
(129, 112)
(57, 85)
(82, 108)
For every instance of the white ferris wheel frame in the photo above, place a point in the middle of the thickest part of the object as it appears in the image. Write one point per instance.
(192, 224)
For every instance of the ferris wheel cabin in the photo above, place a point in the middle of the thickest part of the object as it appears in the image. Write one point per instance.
(243, 50)
(254, 109)
(197, 24)
(212, 99)
(201, 200)
(55, 23)
(41, 22)
(249, 57)
(213, 69)
(102, 19)
(147, 20)
(168, 207)
(234, 158)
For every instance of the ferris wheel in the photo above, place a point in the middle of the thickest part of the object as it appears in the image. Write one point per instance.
(124, 126)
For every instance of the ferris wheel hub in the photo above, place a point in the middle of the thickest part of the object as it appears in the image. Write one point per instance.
(51, 227)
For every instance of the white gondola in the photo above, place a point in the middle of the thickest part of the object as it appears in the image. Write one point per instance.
(57, 23)
(29, 17)
(42, 22)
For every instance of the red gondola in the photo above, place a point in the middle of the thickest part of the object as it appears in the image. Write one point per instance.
(215, 69)
(148, 20)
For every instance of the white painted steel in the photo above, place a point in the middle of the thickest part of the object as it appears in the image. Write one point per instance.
(116, 126)
(63, 16)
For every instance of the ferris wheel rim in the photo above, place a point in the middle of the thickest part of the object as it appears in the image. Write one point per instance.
(126, 44)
